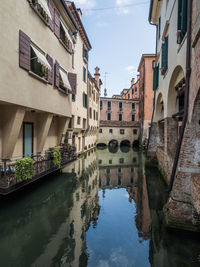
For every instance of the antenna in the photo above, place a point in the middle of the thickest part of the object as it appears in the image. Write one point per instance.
(105, 90)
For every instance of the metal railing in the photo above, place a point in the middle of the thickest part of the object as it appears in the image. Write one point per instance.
(43, 165)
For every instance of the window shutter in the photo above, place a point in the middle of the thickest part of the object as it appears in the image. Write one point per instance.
(50, 72)
(166, 54)
(73, 81)
(184, 17)
(24, 51)
(83, 99)
(86, 101)
(56, 77)
(179, 15)
(56, 23)
(155, 77)
(51, 9)
(159, 26)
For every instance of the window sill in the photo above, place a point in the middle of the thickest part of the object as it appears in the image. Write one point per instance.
(64, 45)
(38, 13)
(62, 91)
(38, 77)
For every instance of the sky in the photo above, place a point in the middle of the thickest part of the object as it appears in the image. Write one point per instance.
(119, 33)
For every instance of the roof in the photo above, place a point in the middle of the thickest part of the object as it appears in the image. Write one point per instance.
(143, 57)
(69, 14)
(150, 10)
(119, 123)
(119, 99)
(79, 22)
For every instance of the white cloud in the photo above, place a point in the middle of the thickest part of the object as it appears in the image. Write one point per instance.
(131, 69)
(101, 24)
(121, 4)
(87, 4)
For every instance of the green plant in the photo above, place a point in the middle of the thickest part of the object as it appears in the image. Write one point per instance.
(69, 147)
(24, 169)
(56, 157)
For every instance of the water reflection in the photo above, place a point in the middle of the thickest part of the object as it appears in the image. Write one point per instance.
(105, 209)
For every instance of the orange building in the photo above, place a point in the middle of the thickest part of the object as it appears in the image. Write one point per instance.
(146, 94)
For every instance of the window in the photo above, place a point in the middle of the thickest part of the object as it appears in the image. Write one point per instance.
(109, 105)
(94, 96)
(73, 97)
(119, 180)
(85, 104)
(42, 9)
(78, 120)
(119, 170)
(121, 160)
(85, 53)
(97, 116)
(94, 114)
(182, 20)
(65, 37)
(128, 96)
(110, 130)
(164, 66)
(131, 180)
(121, 131)
(120, 105)
(100, 161)
(100, 131)
(120, 117)
(134, 160)
(90, 90)
(133, 117)
(133, 106)
(108, 171)
(132, 91)
(39, 63)
(101, 104)
(84, 74)
(63, 80)
(134, 131)
(109, 116)
(70, 123)
(110, 161)
(132, 169)
(73, 60)
(90, 113)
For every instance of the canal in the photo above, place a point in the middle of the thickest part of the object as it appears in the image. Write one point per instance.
(104, 210)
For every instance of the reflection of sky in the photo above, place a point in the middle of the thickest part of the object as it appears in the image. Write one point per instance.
(115, 241)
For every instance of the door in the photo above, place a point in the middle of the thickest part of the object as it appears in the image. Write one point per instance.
(27, 139)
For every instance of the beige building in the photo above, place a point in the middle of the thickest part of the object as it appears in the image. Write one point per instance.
(37, 75)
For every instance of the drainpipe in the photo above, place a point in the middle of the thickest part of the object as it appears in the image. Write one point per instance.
(186, 100)
(154, 99)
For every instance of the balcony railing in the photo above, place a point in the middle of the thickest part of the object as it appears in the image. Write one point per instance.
(43, 165)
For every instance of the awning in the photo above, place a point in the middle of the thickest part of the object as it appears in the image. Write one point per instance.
(44, 5)
(66, 31)
(65, 80)
(41, 57)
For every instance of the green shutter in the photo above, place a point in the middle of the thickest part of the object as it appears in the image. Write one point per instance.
(164, 63)
(184, 17)
(179, 15)
(166, 54)
(86, 101)
(159, 26)
(155, 77)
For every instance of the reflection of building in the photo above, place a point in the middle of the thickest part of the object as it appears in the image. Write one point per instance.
(118, 120)
(117, 170)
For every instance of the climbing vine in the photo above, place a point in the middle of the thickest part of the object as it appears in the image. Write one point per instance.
(56, 157)
(24, 169)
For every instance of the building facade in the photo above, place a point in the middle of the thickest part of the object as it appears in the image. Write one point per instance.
(118, 121)
(43, 78)
(175, 128)
(146, 95)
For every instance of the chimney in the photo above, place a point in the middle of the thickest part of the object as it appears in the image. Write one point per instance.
(79, 12)
(138, 77)
(132, 81)
(97, 76)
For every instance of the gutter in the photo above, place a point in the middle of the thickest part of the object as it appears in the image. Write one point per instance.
(70, 14)
(188, 72)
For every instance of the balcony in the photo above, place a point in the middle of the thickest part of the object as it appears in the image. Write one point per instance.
(43, 164)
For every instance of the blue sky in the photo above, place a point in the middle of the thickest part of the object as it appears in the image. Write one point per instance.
(119, 36)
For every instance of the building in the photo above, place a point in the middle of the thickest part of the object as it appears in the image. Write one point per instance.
(175, 127)
(146, 95)
(118, 121)
(93, 109)
(133, 92)
(37, 77)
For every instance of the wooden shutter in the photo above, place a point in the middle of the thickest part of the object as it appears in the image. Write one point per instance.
(56, 77)
(184, 17)
(50, 72)
(56, 23)
(24, 51)
(86, 105)
(179, 15)
(51, 9)
(155, 77)
(166, 53)
(73, 81)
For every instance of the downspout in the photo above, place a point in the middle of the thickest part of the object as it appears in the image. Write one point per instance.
(186, 99)
(154, 99)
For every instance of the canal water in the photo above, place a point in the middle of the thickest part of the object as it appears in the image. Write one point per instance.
(104, 210)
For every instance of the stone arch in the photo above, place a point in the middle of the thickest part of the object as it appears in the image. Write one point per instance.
(172, 103)
(113, 143)
(125, 143)
(159, 111)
